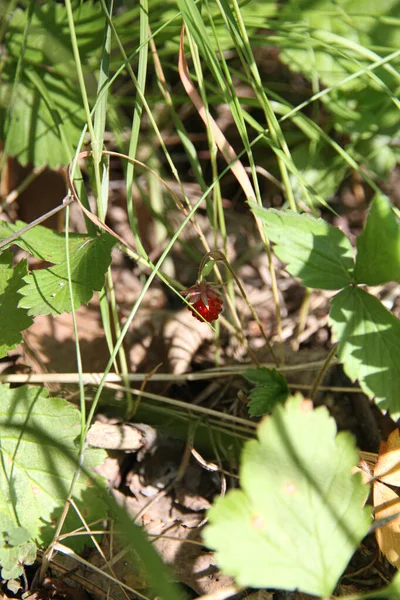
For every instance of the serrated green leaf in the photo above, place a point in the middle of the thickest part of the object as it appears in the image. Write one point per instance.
(369, 345)
(263, 399)
(47, 292)
(13, 319)
(41, 242)
(263, 376)
(320, 254)
(378, 246)
(271, 388)
(39, 459)
(299, 516)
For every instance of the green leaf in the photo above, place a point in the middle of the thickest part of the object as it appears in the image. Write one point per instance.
(263, 399)
(16, 536)
(330, 42)
(369, 345)
(321, 255)
(13, 319)
(16, 550)
(208, 267)
(41, 242)
(320, 166)
(41, 133)
(298, 518)
(47, 115)
(306, 49)
(378, 246)
(271, 389)
(47, 292)
(39, 455)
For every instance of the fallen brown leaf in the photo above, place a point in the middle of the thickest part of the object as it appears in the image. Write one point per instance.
(386, 500)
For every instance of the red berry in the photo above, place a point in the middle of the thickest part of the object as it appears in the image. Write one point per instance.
(210, 312)
(205, 299)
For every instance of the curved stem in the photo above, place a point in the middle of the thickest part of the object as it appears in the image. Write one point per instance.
(322, 372)
(220, 256)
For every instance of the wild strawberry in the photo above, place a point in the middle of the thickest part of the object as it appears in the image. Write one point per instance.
(205, 299)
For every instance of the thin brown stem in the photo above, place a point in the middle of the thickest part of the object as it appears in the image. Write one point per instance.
(220, 256)
(322, 371)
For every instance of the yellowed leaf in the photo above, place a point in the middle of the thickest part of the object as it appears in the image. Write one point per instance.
(388, 465)
(387, 504)
(386, 499)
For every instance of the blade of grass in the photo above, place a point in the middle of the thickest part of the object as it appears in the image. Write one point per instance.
(137, 116)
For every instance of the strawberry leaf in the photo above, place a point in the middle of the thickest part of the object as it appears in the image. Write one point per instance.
(39, 457)
(369, 345)
(13, 319)
(299, 516)
(41, 242)
(378, 246)
(271, 389)
(47, 291)
(321, 255)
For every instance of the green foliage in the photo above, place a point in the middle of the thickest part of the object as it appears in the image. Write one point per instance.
(16, 551)
(298, 517)
(45, 112)
(271, 388)
(321, 255)
(368, 334)
(369, 345)
(378, 246)
(331, 43)
(321, 167)
(13, 319)
(46, 291)
(39, 458)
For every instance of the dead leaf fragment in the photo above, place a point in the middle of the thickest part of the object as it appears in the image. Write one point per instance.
(388, 465)
(386, 500)
(387, 504)
(120, 436)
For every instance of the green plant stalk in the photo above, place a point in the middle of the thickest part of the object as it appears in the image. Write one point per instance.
(49, 552)
(76, 334)
(121, 354)
(143, 99)
(218, 219)
(322, 371)
(137, 116)
(100, 111)
(105, 318)
(179, 126)
(217, 255)
(216, 204)
(303, 313)
(79, 70)
(240, 123)
(272, 121)
(218, 212)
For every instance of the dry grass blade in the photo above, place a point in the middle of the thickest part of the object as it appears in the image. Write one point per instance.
(223, 145)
